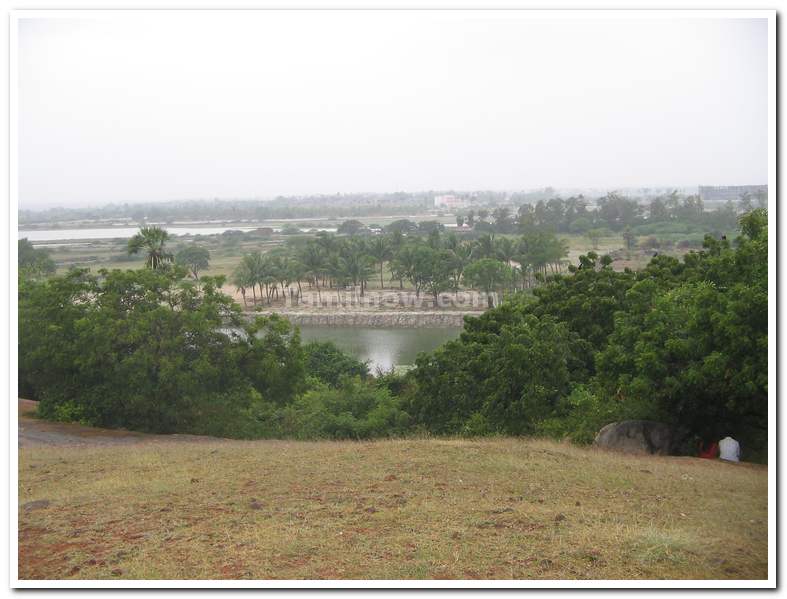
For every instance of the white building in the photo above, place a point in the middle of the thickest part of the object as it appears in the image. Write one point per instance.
(449, 201)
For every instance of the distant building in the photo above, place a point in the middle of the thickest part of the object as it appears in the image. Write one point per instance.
(723, 193)
(449, 201)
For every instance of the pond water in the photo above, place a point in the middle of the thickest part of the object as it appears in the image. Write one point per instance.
(383, 348)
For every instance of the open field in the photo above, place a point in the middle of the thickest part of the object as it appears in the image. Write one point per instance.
(399, 509)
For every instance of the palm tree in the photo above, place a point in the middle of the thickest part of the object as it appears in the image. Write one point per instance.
(451, 242)
(313, 260)
(380, 249)
(403, 263)
(255, 267)
(152, 240)
(506, 248)
(396, 240)
(485, 247)
(355, 264)
(242, 279)
(464, 254)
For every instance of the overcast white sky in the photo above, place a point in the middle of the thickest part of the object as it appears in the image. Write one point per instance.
(256, 104)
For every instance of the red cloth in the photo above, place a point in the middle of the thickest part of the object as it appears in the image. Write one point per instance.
(711, 453)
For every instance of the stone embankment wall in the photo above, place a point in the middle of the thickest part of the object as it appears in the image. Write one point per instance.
(373, 319)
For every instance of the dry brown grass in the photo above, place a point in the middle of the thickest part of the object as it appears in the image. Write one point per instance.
(411, 509)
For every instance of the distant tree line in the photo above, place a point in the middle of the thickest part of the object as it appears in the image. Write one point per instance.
(542, 208)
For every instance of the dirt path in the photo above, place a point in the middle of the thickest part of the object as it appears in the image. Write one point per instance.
(34, 432)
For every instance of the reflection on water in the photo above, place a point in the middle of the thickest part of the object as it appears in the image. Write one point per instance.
(383, 348)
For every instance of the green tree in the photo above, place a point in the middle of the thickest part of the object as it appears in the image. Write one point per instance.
(692, 347)
(350, 227)
(194, 257)
(33, 262)
(505, 374)
(437, 267)
(403, 226)
(485, 247)
(329, 364)
(242, 278)
(355, 264)
(314, 263)
(506, 249)
(146, 350)
(151, 240)
(489, 275)
(380, 250)
(580, 225)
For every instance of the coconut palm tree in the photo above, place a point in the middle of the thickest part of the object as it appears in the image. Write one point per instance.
(242, 279)
(152, 240)
(254, 264)
(380, 249)
(355, 264)
(484, 247)
(506, 248)
(313, 259)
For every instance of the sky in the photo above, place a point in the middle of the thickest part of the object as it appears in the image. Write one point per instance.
(178, 105)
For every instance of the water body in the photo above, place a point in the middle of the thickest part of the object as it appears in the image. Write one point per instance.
(383, 348)
(116, 232)
(40, 235)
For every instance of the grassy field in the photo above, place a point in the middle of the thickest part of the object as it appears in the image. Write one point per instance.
(409, 509)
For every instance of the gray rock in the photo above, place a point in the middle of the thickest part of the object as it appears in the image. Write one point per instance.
(39, 504)
(637, 436)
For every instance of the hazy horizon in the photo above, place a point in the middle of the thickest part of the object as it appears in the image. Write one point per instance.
(253, 105)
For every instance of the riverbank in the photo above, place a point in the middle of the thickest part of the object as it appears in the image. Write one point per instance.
(393, 319)
(387, 309)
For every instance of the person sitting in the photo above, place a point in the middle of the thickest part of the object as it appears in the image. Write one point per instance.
(709, 450)
(729, 449)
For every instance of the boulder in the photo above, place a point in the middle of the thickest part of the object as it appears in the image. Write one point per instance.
(638, 436)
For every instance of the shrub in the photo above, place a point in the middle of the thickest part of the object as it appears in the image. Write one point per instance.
(329, 364)
(355, 410)
(581, 415)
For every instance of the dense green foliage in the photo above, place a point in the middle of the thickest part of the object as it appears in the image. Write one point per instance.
(150, 350)
(681, 341)
(330, 365)
(33, 262)
(147, 350)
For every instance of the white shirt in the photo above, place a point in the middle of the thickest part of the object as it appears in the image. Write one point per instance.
(729, 449)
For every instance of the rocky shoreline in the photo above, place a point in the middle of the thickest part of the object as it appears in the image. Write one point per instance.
(392, 319)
